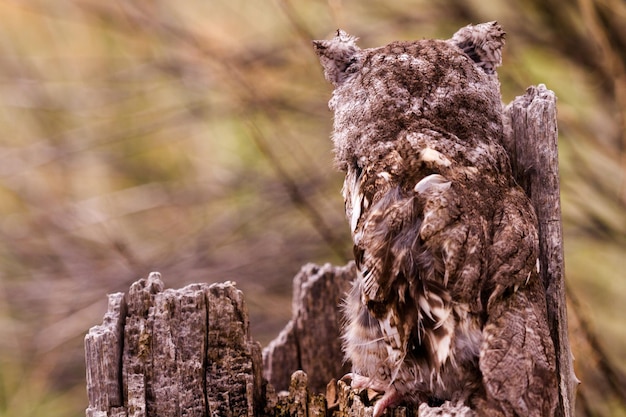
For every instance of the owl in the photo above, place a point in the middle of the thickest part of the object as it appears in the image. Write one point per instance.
(447, 305)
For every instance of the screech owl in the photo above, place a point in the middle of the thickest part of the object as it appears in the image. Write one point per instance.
(447, 305)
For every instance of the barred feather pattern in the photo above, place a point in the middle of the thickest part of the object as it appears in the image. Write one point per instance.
(445, 242)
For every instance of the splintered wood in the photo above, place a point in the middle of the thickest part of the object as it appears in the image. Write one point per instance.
(174, 352)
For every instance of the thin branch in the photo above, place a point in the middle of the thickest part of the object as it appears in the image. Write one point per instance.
(297, 197)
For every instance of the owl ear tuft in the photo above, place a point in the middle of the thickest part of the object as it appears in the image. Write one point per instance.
(338, 56)
(482, 43)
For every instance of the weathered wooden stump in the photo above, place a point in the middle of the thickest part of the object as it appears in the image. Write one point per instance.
(188, 352)
(174, 352)
(532, 145)
(311, 339)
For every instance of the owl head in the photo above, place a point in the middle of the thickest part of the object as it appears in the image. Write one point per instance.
(404, 86)
(341, 57)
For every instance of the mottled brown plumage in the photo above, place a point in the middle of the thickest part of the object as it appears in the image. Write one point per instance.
(447, 305)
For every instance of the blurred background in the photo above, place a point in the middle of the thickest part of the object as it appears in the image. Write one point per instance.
(192, 138)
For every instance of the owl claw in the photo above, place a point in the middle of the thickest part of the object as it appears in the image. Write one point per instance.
(360, 382)
(390, 398)
(356, 381)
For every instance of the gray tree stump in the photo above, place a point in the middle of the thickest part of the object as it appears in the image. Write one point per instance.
(189, 352)
(185, 352)
(532, 144)
(311, 339)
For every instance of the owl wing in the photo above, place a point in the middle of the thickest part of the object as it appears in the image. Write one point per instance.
(517, 357)
(396, 268)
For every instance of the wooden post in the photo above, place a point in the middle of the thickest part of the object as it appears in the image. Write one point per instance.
(532, 145)
(188, 352)
(174, 352)
(311, 339)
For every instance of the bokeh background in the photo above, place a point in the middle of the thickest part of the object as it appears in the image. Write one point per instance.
(191, 138)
